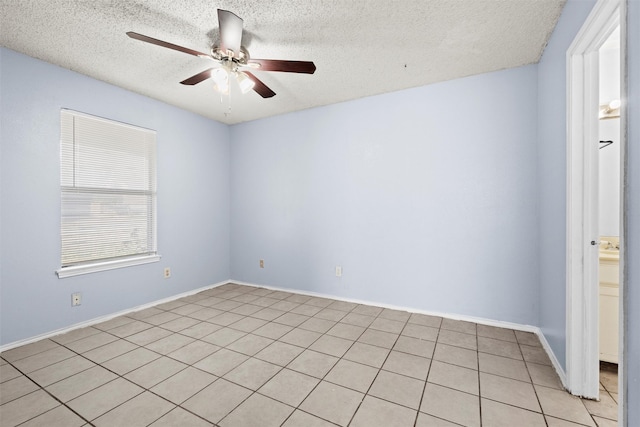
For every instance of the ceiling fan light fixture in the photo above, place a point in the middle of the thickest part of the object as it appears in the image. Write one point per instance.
(222, 88)
(615, 104)
(245, 83)
(220, 77)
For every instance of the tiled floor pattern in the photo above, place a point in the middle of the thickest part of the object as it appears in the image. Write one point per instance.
(243, 356)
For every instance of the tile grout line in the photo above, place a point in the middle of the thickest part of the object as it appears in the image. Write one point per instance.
(46, 391)
(161, 355)
(208, 294)
(327, 373)
(426, 380)
(379, 369)
(479, 383)
(325, 333)
(222, 377)
(544, 418)
(281, 367)
(119, 376)
(115, 373)
(284, 367)
(217, 379)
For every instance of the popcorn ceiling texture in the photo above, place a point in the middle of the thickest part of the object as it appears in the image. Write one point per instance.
(360, 47)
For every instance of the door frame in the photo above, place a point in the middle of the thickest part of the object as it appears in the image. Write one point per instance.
(582, 351)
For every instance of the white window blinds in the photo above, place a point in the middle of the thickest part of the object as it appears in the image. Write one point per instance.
(108, 187)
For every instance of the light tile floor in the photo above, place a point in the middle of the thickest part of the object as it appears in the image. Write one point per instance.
(237, 356)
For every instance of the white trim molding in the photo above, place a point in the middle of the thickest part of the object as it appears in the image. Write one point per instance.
(479, 320)
(582, 198)
(552, 356)
(453, 316)
(101, 319)
(94, 267)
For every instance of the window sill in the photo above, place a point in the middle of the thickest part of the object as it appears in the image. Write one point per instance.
(77, 270)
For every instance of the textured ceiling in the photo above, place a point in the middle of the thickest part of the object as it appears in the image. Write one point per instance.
(360, 47)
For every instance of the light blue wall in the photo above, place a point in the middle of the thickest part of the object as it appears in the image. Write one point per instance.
(552, 172)
(552, 176)
(193, 199)
(632, 243)
(449, 197)
(426, 198)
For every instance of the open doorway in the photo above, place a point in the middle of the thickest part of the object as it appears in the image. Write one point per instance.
(583, 202)
(609, 187)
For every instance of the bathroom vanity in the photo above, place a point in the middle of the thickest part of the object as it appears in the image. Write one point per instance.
(609, 298)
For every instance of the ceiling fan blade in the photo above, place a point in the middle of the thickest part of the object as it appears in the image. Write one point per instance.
(306, 67)
(157, 42)
(259, 87)
(194, 80)
(230, 31)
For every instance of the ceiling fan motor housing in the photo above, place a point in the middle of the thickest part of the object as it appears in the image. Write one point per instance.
(242, 57)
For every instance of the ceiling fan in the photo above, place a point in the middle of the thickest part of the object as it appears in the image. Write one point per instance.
(234, 59)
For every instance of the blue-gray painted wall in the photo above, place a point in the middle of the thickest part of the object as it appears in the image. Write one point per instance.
(192, 199)
(426, 197)
(552, 192)
(552, 173)
(390, 187)
(632, 222)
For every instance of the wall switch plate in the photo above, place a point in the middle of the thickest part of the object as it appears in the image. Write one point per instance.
(167, 272)
(338, 271)
(76, 299)
(261, 263)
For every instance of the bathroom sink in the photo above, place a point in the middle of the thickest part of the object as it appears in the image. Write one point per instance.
(609, 248)
(609, 254)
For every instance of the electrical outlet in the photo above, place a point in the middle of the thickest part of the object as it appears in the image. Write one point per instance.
(338, 271)
(167, 272)
(261, 263)
(76, 299)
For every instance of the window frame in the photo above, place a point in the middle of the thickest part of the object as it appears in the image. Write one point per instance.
(104, 264)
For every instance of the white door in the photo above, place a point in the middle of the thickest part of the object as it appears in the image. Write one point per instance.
(582, 197)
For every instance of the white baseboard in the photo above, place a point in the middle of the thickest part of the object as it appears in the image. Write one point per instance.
(554, 360)
(479, 320)
(453, 316)
(104, 318)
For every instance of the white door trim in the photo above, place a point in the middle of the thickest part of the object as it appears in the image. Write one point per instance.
(582, 197)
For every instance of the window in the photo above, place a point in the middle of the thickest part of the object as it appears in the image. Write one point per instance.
(108, 189)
